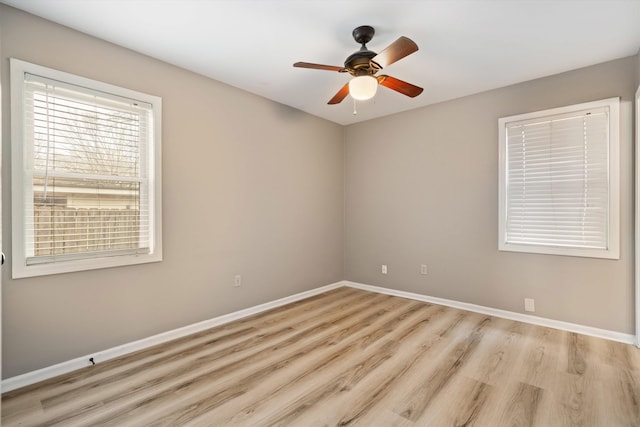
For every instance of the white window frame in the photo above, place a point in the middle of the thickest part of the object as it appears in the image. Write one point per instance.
(20, 269)
(637, 218)
(613, 249)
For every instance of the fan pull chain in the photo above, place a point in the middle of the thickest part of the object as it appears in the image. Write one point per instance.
(354, 107)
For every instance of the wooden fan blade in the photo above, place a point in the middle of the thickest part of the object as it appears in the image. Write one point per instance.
(338, 97)
(395, 51)
(318, 66)
(400, 86)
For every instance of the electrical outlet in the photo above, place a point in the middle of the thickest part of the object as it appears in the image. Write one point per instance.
(423, 268)
(529, 305)
(383, 270)
(237, 281)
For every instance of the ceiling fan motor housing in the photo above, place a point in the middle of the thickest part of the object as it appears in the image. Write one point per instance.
(359, 63)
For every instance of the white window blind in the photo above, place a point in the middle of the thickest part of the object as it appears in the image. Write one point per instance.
(557, 182)
(87, 178)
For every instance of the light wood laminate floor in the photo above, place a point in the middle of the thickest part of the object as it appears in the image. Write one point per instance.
(350, 357)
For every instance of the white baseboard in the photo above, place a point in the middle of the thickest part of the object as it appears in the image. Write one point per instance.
(526, 318)
(111, 353)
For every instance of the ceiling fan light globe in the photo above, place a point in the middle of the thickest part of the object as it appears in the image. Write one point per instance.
(362, 88)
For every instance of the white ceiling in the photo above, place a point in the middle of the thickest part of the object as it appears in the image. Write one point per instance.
(466, 46)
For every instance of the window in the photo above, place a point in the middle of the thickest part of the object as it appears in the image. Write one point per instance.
(559, 181)
(85, 173)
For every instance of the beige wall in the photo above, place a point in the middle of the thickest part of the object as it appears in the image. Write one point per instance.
(250, 187)
(638, 69)
(422, 187)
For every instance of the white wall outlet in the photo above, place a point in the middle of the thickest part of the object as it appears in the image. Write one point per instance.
(529, 305)
(383, 270)
(237, 281)
(423, 268)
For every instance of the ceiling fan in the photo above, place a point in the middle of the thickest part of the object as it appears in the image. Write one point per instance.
(364, 64)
